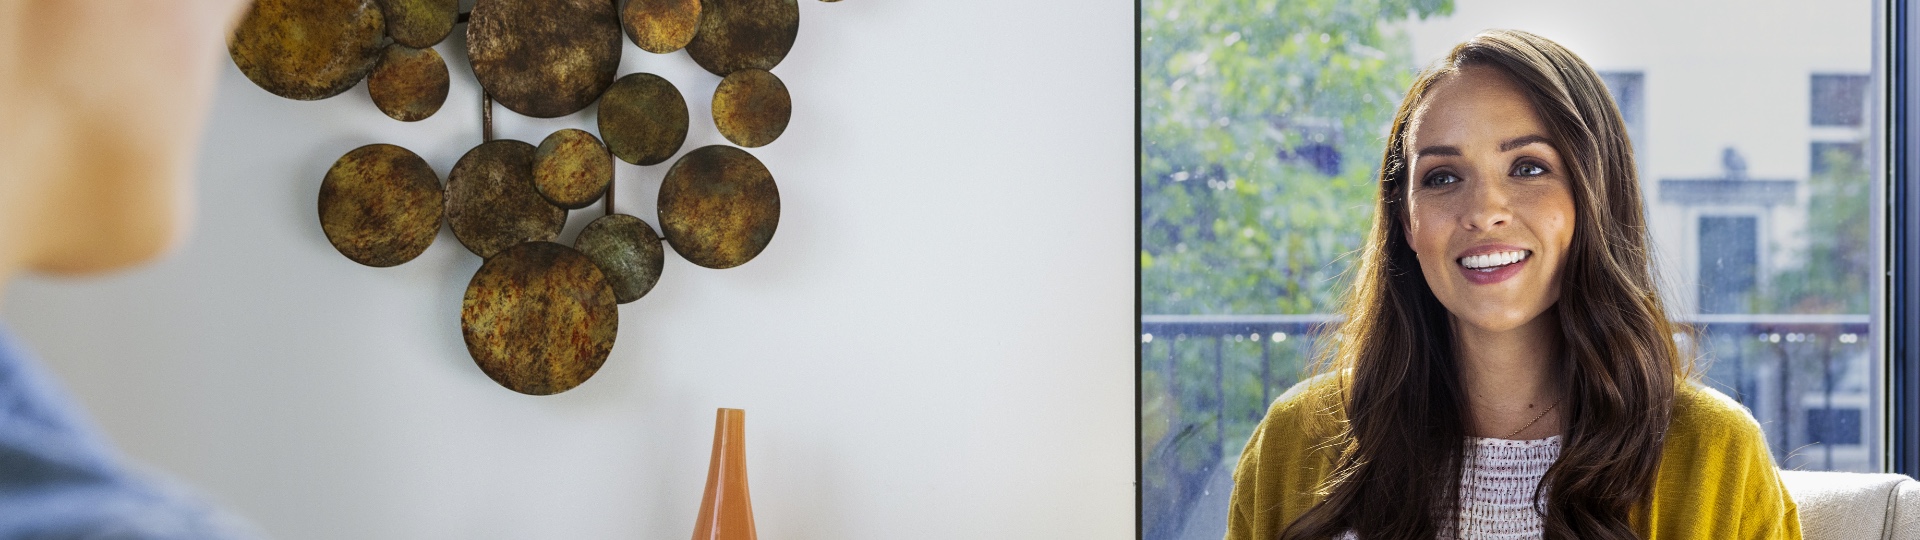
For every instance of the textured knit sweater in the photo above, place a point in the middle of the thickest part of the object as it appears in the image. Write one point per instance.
(1498, 481)
(1716, 478)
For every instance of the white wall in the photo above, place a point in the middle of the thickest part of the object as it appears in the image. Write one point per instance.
(937, 344)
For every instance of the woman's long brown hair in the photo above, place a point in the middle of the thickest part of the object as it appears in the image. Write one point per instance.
(1401, 449)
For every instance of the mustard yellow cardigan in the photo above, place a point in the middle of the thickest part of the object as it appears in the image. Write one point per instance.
(1716, 478)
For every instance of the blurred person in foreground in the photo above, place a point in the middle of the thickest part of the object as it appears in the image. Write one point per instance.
(101, 108)
(1506, 369)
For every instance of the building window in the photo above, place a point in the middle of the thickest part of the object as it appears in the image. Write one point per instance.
(1839, 100)
(1728, 260)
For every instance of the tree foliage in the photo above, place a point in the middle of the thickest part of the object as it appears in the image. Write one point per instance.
(1262, 123)
(1831, 274)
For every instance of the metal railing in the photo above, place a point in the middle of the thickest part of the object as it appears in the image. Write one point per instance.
(1809, 379)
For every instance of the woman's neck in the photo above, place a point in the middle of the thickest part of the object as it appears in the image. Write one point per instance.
(1511, 378)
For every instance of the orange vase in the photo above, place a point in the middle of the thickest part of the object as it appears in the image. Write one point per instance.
(725, 512)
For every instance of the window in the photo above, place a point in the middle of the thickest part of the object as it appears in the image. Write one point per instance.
(1728, 262)
(1260, 133)
(1839, 100)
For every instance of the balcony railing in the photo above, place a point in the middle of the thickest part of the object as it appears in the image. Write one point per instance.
(1206, 381)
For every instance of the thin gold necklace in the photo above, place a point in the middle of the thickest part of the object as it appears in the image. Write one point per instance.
(1460, 512)
(1536, 419)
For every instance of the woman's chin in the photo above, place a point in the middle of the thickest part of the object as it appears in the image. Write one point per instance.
(1495, 319)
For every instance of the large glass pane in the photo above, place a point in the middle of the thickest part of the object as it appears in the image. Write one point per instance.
(1261, 128)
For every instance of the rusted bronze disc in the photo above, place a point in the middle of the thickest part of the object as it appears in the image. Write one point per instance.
(409, 84)
(643, 118)
(539, 318)
(751, 107)
(544, 58)
(380, 205)
(491, 204)
(719, 207)
(628, 252)
(661, 26)
(420, 23)
(744, 34)
(571, 169)
(308, 49)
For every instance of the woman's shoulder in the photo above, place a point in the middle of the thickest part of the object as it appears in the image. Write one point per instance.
(1709, 420)
(1717, 477)
(1318, 395)
(1286, 459)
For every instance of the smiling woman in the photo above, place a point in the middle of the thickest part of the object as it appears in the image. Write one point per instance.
(1507, 368)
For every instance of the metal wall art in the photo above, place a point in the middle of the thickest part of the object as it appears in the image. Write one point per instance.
(539, 317)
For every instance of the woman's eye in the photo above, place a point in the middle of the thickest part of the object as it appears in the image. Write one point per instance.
(1440, 178)
(1528, 169)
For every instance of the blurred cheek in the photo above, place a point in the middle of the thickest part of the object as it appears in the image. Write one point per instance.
(131, 111)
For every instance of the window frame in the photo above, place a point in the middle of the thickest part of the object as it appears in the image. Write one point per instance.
(1900, 304)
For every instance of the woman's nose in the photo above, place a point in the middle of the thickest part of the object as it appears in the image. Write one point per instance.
(1488, 203)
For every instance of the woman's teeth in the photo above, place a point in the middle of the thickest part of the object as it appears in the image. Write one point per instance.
(1487, 262)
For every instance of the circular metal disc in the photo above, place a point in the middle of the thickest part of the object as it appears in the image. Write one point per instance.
(719, 207)
(544, 58)
(308, 49)
(751, 107)
(409, 84)
(380, 205)
(571, 169)
(643, 119)
(420, 23)
(627, 251)
(661, 26)
(743, 34)
(539, 318)
(491, 204)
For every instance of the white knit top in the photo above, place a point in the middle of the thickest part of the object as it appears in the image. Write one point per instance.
(1497, 481)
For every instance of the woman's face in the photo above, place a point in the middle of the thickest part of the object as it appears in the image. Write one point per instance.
(1489, 203)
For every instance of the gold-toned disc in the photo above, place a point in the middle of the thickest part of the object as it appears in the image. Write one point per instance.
(628, 252)
(380, 205)
(308, 49)
(491, 204)
(409, 84)
(539, 318)
(719, 206)
(571, 169)
(420, 23)
(544, 58)
(751, 107)
(643, 119)
(661, 26)
(744, 34)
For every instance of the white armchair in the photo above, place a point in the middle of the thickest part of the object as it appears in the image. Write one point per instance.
(1851, 506)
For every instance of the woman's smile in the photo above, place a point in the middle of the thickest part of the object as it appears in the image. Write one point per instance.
(1491, 264)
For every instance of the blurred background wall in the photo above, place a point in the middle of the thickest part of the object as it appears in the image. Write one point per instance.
(935, 345)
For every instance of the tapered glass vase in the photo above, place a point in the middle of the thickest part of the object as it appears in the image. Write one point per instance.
(725, 512)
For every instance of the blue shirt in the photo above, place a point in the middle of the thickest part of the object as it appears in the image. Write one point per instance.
(59, 477)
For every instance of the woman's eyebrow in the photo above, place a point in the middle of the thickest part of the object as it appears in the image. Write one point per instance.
(1523, 140)
(1507, 146)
